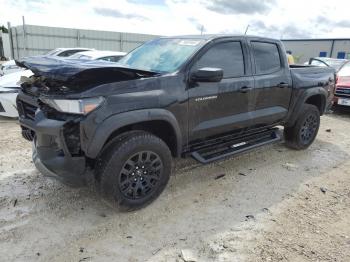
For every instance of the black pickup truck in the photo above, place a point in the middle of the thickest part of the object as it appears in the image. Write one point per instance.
(206, 96)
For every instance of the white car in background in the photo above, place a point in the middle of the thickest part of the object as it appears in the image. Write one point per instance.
(9, 84)
(67, 52)
(110, 56)
(10, 74)
(9, 88)
(11, 67)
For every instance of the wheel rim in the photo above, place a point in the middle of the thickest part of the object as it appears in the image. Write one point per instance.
(140, 175)
(308, 129)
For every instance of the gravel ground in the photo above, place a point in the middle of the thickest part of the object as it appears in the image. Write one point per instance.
(272, 204)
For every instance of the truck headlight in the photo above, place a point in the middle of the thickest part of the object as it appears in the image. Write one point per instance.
(74, 106)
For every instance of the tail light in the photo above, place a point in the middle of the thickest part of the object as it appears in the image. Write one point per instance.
(336, 79)
(336, 83)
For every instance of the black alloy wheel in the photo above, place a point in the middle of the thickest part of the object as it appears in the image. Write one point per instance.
(309, 128)
(140, 175)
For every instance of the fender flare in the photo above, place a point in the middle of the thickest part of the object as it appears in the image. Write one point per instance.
(117, 121)
(302, 100)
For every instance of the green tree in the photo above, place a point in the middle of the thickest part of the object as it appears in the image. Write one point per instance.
(4, 29)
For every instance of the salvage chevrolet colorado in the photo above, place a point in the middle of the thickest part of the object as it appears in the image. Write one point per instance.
(208, 97)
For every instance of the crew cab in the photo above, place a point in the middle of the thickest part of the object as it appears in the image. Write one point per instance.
(209, 97)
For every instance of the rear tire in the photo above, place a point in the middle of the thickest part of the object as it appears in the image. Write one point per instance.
(134, 170)
(303, 133)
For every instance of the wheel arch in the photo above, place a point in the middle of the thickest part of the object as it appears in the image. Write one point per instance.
(313, 96)
(159, 122)
(317, 100)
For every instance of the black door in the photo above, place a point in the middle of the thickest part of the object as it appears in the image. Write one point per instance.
(222, 107)
(273, 84)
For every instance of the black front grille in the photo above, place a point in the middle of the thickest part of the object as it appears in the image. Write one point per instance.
(342, 92)
(26, 110)
(2, 108)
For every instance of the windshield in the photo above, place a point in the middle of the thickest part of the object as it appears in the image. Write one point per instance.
(52, 52)
(164, 55)
(318, 63)
(80, 56)
(334, 63)
(345, 70)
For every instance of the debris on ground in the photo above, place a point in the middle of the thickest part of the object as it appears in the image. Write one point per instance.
(323, 190)
(250, 217)
(192, 213)
(156, 251)
(188, 255)
(290, 166)
(220, 176)
(85, 259)
(266, 210)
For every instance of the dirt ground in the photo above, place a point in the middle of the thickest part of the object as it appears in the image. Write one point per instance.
(272, 204)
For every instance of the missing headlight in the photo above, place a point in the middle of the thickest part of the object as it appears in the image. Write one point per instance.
(71, 133)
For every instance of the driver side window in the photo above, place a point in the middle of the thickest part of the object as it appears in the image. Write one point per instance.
(228, 56)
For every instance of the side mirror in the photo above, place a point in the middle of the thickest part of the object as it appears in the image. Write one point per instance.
(207, 74)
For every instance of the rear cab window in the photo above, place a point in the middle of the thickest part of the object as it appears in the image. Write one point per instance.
(267, 57)
(226, 55)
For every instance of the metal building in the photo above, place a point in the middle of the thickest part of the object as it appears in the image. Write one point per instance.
(5, 49)
(27, 40)
(304, 49)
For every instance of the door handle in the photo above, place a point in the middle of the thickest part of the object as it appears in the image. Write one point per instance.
(245, 89)
(283, 85)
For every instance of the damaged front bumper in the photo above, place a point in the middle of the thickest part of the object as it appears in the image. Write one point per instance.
(66, 178)
(52, 146)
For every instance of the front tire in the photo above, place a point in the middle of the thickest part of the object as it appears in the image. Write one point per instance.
(134, 170)
(303, 133)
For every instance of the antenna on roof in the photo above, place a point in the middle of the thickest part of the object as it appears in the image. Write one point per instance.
(202, 29)
(246, 30)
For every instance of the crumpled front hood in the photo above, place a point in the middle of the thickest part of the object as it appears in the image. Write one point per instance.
(55, 74)
(63, 69)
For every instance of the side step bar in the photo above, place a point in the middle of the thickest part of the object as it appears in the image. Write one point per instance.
(236, 146)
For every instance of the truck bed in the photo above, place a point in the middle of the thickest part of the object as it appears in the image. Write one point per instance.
(305, 76)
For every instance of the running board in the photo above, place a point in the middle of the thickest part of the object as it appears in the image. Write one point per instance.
(236, 146)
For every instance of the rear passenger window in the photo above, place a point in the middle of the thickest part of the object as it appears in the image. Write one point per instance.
(227, 56)
(267, 57)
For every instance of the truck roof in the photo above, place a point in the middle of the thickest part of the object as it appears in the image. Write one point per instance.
(217, 36)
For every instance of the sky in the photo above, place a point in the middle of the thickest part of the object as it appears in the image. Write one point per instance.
(284, 19)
